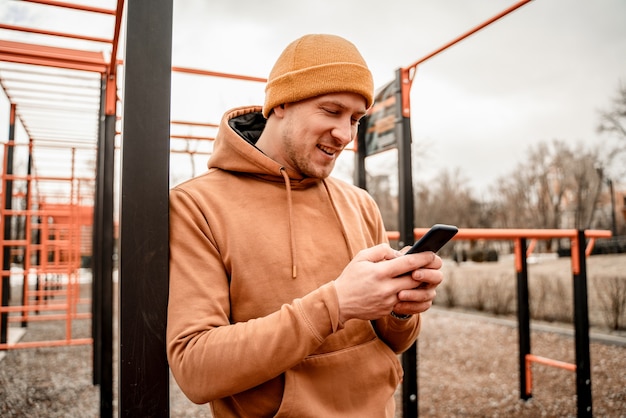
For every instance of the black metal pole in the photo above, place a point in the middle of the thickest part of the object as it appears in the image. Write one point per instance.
(359, 177)
(96, 247)
(144, 257)
(523, 317)
(103, 246)
(581, 324)
(406, 211)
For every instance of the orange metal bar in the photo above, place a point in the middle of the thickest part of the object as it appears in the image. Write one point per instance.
(40, 318)
(531, 358)
(393, 235)
(590, 244)
(506, 234)
(112, 70)
(29, 308)
(199, 138)
(517, 234)
(574, 255)
(208, 125)
(110, 99)
(54, 343)
(518, 254)
(406, 79)
(218, 74)
(173, 151)
(531, 247)
(23, 53)
(82, 7)
(54, 33)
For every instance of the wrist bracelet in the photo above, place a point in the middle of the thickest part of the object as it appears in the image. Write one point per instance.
(398, 316)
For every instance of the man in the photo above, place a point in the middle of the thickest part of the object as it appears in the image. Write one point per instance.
(285, 298)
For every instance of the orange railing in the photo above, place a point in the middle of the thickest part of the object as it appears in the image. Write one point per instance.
(51, 232)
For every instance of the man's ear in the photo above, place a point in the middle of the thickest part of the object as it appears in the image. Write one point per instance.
(279, 110)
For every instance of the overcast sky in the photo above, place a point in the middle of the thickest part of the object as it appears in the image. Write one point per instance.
(541, 73)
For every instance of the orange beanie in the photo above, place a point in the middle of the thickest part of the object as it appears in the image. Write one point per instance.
(314, 65)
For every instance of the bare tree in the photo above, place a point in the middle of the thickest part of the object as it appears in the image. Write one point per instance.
(448, 199)
(585, 187)
(613, 123)
(558, 186)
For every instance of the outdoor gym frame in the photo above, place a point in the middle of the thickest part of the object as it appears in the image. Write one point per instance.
(580, 249)
(144, 373)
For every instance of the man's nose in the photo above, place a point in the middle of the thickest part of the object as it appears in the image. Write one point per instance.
(344, 131)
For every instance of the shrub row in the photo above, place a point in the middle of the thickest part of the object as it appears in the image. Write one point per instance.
(550, 297)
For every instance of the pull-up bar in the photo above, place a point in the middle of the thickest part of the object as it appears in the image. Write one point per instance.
(408, 73)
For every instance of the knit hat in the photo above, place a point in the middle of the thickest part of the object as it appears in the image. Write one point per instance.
(314, 65)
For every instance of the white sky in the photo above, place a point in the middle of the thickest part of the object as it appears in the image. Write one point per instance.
(541, 73)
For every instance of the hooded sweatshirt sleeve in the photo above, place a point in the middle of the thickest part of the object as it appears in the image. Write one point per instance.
(202, 344)
(398, 334)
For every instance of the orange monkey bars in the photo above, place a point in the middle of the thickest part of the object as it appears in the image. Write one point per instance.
(51, 233)
(59, 90)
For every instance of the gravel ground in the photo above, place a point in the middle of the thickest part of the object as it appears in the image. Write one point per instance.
(467, 368)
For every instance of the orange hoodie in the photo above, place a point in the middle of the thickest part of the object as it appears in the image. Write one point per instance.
(253, 322)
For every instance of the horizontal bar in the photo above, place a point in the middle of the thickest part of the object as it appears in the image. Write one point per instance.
(22, 308)
(217, 74)
(200, 138)
(486, 233)
(206, 125)
(549, 362)
(74, 6)
(39, 318)
(55, 33)
(54, 343)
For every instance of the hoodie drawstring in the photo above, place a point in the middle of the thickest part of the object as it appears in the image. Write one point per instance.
(294, 271)
(341, 225)
(290, 215)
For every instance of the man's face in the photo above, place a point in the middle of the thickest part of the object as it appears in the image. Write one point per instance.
(314, 131)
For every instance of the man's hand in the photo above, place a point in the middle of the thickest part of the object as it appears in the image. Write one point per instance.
(381, 279)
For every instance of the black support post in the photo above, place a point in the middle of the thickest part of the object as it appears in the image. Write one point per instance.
(96, 247)
(581, 324)
(406, 211)
(523, 316)
(144, 372)
(102, 263)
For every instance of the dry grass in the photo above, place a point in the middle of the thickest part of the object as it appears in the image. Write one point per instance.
(491, 288)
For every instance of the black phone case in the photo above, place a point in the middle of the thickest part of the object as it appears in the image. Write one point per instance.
(434, 239)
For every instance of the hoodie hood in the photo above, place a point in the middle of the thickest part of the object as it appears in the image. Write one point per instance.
(239, 130)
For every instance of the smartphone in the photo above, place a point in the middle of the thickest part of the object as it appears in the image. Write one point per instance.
(434, 239)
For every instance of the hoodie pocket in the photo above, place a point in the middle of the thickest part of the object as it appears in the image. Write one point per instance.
(359, 381)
